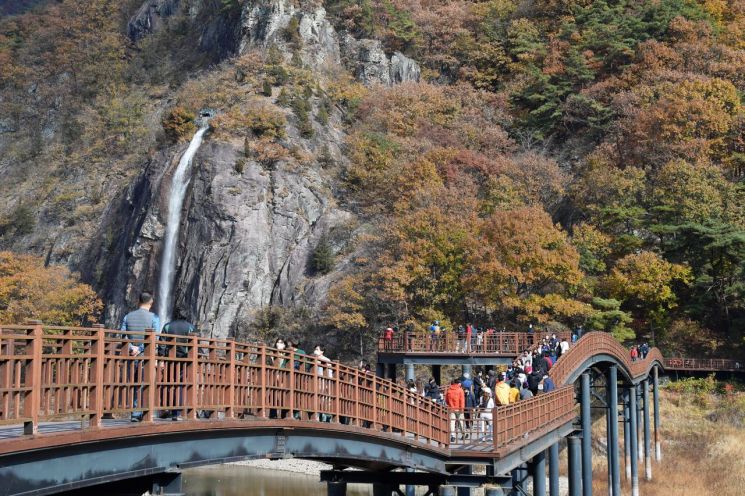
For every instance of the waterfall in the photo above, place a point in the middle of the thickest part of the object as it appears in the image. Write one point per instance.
(179, 185)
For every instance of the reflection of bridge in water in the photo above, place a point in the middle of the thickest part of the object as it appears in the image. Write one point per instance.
(66, 395)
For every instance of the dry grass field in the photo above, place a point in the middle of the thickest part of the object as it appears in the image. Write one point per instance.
(703, 446)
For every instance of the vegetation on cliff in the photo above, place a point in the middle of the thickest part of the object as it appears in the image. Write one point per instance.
(562, 162)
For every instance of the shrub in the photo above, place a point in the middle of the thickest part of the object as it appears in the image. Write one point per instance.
(178, 123)
(240, 165)
(322, 257)
(266, 88)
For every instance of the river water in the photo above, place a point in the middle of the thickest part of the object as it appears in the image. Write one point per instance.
(238, 480)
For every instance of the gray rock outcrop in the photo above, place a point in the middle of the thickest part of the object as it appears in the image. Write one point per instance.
(265, 22)
(371, 65)
(150, 16)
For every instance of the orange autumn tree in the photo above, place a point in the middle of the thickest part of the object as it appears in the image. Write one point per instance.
(29, 290)
(522, 265)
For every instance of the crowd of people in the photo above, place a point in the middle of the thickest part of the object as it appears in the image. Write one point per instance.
(466, 338)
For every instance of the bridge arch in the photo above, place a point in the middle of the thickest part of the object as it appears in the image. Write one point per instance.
(600, 348)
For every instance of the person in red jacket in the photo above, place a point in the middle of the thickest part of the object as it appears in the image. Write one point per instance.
(455, 399)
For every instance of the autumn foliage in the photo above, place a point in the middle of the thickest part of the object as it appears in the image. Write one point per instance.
(29, 290)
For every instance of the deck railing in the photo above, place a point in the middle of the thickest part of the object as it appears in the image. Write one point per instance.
(597, 343)
(54, 373)
(494, 343)
(703, 364)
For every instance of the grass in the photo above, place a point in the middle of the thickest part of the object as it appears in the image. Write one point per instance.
(703, 448)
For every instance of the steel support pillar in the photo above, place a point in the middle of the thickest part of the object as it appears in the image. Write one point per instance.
(410, 375)
(626, 435)
(380, 370)
(639, 423)
(445, 491)
(586, 421)
(553, 470)
(437, 374)
(519, 477)
(538, 472)
(647, 436)
(410, 489)
(574, 468)
(613, 462)
(655, 393)
(168, 484)
(340, 489)
(467, 369)
(634, 440)
(493, 491)
(392, 371)
(465, 491)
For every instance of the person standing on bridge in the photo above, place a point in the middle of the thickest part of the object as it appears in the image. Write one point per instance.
(178, 327)
(455, 399)
(138, 321)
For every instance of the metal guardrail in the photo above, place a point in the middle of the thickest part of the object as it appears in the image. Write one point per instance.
(704, 364)
(495, 343)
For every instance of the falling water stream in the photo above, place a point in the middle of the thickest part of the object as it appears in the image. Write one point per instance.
(179, 186)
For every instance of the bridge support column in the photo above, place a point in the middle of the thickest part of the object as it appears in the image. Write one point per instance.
(626, 435)
(519, 476)
(444, 491)
(538, 472)
(647, 453)
(553, 470)
(655, 393)
(392, 371)
(493, 491)
(465, 491)
(380, 489)
(410, 375)
(467, 369)
(340, 489)
(633, 445)
(380, 370)
(613, 463)
(437, 374)
(586, 421)
(574, 465)
(639, 422)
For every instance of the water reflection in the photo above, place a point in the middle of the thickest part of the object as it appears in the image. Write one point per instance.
(237, 480)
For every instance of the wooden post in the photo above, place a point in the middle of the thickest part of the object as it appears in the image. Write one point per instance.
(32, 401)
(263, 372)
(149, 368)
(192, 375)
(98, 376)
(337, 390)
(357, 387)
(230, 411)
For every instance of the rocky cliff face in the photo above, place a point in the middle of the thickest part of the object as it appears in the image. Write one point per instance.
(247, 237)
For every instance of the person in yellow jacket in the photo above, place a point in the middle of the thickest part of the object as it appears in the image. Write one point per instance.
(514, 391)
(502, 391)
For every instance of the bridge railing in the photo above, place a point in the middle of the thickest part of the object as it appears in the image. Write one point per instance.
(496, 428)
(596, 343)
(703, 364)
(51, 373)
(494, 343)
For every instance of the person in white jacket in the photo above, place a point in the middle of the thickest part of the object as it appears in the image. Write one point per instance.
(486, 415)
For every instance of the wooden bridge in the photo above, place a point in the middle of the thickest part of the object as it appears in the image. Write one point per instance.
(66, 396)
